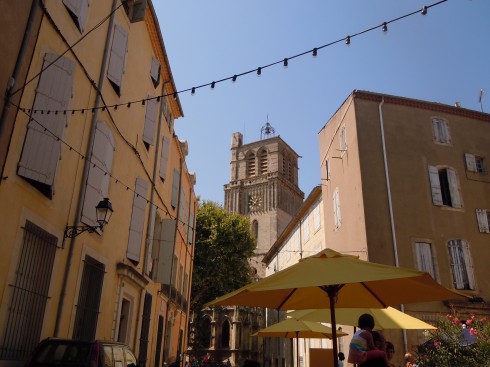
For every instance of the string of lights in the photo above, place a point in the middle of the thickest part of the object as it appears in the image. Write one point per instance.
(285, 62)
(115, 179)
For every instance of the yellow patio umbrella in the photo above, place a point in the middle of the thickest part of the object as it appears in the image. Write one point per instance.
(385, 318)
(332, 280)
(294, 328)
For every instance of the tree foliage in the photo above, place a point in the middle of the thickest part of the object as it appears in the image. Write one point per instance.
(457, 342)
(223, 245)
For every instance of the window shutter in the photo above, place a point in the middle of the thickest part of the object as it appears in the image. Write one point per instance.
(456, 265)
(468, 264)
(155, 71)
(99, 175)
(435, 129)
(175, 188)
(482, 219)
(165, 251)
(164, 157)
(454, 188)
(118, 55)
(79, 10)
(424, 258)
(336, 208)
(447, 135)
(150, 121)
(139, 10)
(470, 162)
(137, 220)
(41, 151)
(316, 217)
(435, 185)
(190, 233)
(343, 139)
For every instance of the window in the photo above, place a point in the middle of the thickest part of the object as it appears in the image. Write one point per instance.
(445, 187)
(440, 129)
(336, 208)
(78, 10)
(164, 157)
(290, 170)
(136, 226)
(155, 71)
(145, 331)
(264, 168)
(30, 293)
(327, 170)
(316, 217)
(461, 264)
(251, 168)
(343, 139)
(255, 230)
(135, 10)
(483, 219)
(425, 258)
(175, 188)
(474, 163)
(150, 122)
(163, 251)
(99, 173)
(42, 147)
(117, 58)
(225, 334)
(305, 229)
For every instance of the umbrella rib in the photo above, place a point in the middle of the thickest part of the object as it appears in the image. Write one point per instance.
(373, 294)
(286, 299)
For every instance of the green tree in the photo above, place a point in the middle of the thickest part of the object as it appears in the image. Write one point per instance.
(223, 245)
(457, 342)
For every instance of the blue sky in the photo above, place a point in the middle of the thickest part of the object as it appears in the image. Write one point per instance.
(443, 57)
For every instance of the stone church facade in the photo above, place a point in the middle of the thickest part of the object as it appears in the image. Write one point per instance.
(264, 187)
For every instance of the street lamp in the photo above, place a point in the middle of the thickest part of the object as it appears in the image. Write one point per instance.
(103, 212)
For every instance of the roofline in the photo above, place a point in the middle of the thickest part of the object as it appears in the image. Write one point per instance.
(265, 140)
(315, 193)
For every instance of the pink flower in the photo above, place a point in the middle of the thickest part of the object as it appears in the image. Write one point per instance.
(473, 331)
(449, 316)
(468, 322)
(456, 320)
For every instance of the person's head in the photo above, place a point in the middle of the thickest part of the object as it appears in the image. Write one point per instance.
(366, 321)
(341, 356)
(390, 350)
(409, 357)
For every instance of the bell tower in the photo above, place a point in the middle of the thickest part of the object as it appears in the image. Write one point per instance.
(263, 186)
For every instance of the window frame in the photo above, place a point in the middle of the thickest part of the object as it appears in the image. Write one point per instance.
(461, 264)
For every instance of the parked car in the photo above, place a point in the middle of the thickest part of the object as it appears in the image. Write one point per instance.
(54, 352)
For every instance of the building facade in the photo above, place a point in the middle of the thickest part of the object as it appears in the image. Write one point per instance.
(304, 236)
(406, 183)
(95, 121)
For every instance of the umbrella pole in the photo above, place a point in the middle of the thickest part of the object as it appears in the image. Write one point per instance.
(297, 349)
(332, 291)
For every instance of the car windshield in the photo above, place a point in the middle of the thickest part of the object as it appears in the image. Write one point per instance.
(62, 354)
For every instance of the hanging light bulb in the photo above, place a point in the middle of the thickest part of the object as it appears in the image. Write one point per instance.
(315, 52)
(347, 40)
(259, 71)
(424, 10)
(193, 90)
(234, 78)
(175, 95)
(384, 28)
(212, 85)
(285, 62)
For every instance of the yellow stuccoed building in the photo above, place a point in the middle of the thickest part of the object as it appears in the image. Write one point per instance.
(92, 117)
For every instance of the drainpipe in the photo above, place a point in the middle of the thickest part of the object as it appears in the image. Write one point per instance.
(18, 66)
(390, 204)
(86, 167)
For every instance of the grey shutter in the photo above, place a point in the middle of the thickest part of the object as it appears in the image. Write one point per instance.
(435, 129)
(155, 71)
(164, 157)
(79, 9)
(435, 185)
(41, 150)
(99, 175)
(165, 252)
(454, 188)
(424, 258)
(137, 220)
(139, 10)
(118, 55)
(182, 207)
(470, 162)
(457, 263)
(190, 233)
(175, 188)
(150, 121)
(468, 264)
(482, 219)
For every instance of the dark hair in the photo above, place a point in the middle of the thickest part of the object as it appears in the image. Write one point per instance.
(341, 356)
(389, 345)
(366, 321)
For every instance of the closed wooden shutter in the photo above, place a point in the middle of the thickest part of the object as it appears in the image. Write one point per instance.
(482, 219)
(41, 151)
(435, 185)
(424, 258)
(190, 234)
(336, 208)
(137, 220)
(175, 188)
(165, 248)
(469, 265)
(79, 11)
(99, 172)
(155, 71)
(454, 188)
(150, 121)
(164, 157)
(470, 162)
(118, 56)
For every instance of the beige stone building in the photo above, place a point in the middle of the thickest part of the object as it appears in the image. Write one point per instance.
(406, 183)
(264, 187)
(93, 119)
